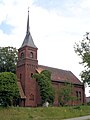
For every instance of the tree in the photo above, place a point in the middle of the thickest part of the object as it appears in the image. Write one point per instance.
(8, 59)
(8, 88)
(83, 50)
(65, 94)
(45, 85)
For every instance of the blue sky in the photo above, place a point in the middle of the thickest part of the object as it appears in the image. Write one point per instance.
(1, 1)
(59, 5)
(51, 4)
(55, 26)
(55, 4)
(6, 28)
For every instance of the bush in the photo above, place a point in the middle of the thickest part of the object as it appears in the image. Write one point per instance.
(8, 88)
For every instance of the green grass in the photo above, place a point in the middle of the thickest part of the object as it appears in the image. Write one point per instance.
(42, 113)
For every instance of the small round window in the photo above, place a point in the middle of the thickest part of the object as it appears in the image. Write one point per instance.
(31, 54)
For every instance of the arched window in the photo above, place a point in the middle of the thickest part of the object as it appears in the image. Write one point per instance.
(20, 76)
(77, 95)
(80, 95)
(22, 55)
(31, 54)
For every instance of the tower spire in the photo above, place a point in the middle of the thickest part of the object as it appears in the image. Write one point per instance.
(28, 22)
(28, 40)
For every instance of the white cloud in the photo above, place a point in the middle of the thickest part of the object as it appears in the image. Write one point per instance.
(85, 4)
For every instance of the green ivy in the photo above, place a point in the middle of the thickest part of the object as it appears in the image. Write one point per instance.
(45, 85)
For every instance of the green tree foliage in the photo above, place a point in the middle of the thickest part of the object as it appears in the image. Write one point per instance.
(8, 88)
(45, 85)
(8, 59)
(65, 94)
(83, 50)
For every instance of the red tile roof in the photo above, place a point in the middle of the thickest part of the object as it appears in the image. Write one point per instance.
(60, 75)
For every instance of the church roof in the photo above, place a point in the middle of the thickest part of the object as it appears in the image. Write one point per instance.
(60, 75)
(21, 92)
(28, 40)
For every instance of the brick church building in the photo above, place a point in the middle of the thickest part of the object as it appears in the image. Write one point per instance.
(27, 65)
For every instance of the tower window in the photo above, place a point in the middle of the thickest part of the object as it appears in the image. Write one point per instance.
(31, 74)
(22, 55)
(31, 54)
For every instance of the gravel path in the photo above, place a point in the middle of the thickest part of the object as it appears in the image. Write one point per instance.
(80, 118)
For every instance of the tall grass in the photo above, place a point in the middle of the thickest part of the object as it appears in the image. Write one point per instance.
(42, 113)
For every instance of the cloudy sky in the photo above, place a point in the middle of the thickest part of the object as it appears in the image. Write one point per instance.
(55, 26)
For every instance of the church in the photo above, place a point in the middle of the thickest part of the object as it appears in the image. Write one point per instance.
(27, 65)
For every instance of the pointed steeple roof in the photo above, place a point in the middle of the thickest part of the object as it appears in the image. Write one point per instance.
(28, 40)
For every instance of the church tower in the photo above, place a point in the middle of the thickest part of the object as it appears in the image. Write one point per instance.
(26, 67)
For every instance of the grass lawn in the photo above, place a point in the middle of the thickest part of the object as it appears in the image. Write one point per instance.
(42, 113)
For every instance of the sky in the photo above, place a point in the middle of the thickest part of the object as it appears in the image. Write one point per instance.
(55, 26)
